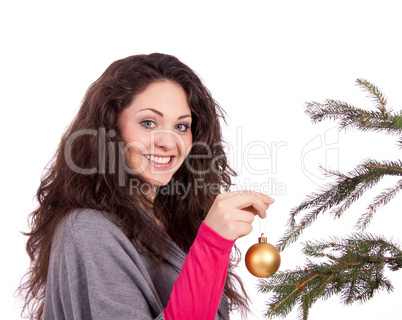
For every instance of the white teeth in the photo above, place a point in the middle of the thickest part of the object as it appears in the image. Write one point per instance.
(159, 160)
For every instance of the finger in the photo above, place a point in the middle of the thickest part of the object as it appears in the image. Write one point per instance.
(250, 202)
(246, 216)
(248, 194)
(244, 229)
(256, 209)
(249, 213)
(267, 199)
(241, 198)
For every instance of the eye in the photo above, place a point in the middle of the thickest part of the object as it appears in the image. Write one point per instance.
(148, 124)
(183, 127)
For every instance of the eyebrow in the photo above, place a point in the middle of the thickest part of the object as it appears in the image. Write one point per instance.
(161, 114)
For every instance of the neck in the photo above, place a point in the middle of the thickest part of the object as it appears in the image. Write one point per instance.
(150, 193)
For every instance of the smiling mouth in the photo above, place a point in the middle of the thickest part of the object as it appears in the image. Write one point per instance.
(159, 160)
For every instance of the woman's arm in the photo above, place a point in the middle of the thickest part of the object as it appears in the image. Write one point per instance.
(198, 290)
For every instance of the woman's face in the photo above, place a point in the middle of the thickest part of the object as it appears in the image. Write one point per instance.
(156, 127)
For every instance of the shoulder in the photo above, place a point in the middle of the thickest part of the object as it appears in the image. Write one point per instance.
(88, 227)
(87, 220)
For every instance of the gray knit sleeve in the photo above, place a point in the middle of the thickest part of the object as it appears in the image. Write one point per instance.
(96, 273)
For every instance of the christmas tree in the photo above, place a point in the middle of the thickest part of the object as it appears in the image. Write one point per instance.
(351, 267)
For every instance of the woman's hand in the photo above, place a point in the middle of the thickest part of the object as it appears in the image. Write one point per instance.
(232, 213)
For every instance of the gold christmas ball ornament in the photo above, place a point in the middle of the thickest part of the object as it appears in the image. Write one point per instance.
(262, 259)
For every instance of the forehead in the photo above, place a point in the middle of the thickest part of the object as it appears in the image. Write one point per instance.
(162, 95)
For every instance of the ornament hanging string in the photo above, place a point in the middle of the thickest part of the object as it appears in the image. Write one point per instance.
(265, 225)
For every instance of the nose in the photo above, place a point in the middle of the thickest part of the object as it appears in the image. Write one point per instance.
(165, 139)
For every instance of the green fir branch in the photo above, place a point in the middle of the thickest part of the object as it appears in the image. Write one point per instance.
(393, 168)
(354, 196)
(352, 117)
(378, 98)
(349, 116)
(354, 269)
(382, 199)
(398, 121)
(319, 199)
(338, 196)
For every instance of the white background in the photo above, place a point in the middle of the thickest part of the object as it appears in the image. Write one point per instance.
(262, 60)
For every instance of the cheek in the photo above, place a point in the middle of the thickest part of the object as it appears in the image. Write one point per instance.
(188, 145)
(129, 136)
(135, 138)
(135, 150)
(133, 158)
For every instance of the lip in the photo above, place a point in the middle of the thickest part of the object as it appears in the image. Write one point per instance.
(160, 165)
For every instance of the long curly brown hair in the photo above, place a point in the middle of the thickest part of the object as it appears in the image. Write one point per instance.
(86, 172)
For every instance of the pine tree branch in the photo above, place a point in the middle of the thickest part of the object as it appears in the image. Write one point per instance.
(375, 94)
(324, 283)
(396, 168)
(293, 233)
(382, 199)
(354, 270)
(299, 287)
(353, 267)
(398, 121)
(352, 117)
(338, 195)
(354, 196)
(386, 168)
(314, 200)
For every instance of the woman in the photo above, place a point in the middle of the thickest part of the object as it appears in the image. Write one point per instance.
(131, 222)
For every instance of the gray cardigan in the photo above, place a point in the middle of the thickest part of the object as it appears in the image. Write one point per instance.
(95, 272)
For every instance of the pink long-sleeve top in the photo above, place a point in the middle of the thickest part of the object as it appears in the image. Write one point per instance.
(198, 289)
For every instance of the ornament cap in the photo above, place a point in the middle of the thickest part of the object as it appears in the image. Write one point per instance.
(262, 239)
